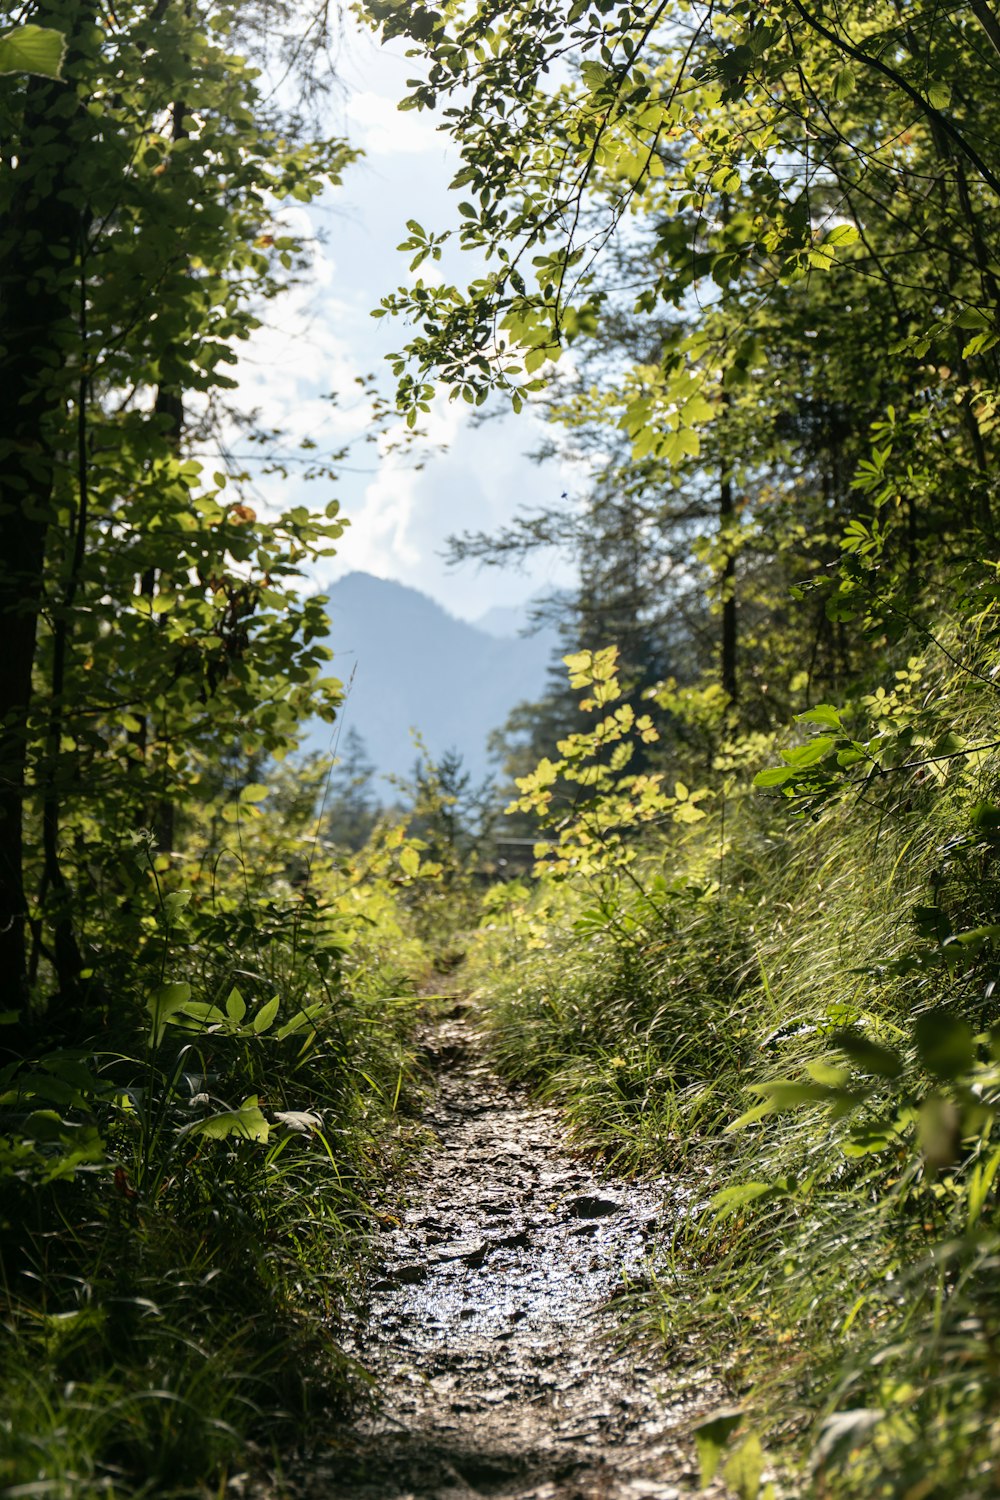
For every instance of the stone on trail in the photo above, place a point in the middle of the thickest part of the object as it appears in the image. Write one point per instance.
(586, 1207)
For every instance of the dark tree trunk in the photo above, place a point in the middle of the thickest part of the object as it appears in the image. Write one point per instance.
(38, 246)
(728, 583)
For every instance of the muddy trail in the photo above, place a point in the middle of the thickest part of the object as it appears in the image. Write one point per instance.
(493, 1318)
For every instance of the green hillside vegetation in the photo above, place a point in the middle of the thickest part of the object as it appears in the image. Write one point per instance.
(758, 949)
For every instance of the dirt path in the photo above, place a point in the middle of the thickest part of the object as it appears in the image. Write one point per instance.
(493, 1318)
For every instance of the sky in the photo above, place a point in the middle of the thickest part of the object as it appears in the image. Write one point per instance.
(321, 336)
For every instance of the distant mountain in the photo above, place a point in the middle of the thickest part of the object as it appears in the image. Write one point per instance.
(410, 663)
(503, 621)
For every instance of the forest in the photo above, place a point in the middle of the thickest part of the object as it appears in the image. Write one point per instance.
(742, 259)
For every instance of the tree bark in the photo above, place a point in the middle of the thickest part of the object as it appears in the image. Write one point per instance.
(38, 249)
(729, 677)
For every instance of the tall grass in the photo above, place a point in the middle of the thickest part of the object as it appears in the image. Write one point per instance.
(837, 1259)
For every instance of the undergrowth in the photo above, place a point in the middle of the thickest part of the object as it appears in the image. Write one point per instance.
(184, 1209)
(790, 1005)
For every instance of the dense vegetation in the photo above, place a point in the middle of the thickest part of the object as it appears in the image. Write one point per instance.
(204, 1008)
(745, 260)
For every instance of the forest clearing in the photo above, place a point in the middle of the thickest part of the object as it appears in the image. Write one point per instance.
(624, 1127)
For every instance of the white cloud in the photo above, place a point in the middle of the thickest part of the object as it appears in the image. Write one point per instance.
(384, 536)
(320, 337)
(385, 130)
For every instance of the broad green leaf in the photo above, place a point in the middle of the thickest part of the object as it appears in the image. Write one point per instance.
(742, 1472)
(164, 1003)
(255, 792)
(264, 1019)
(301, 1020)
(811, 754)
(33, 49)
(823, 713)
(869, 1055)
(197, 1015)
(981, 1180)
(236, 1007)
(774, 776)
(974, 939)
(944, 1042)
(785, 1095)
(869, 1140)
(823, 1072)
(711, 1436)
(939, 1131)
(844, 83)
(247, 1123)
(595, 75)
(173, 904)
(758, 1112)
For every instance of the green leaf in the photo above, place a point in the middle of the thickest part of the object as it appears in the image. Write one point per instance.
(255, 792)
(939, 1131)
(758, 1112)
(841, 234)
(774, 776)
(811, 754)
(301, 1020)
(711, 1437)
(844, 84)
(869, 1055)
(824, 714)
(196, 1015)
(264, 1019)
(409, 860)
(595, 75)
(974, 939)
(173, 904)
(785, 1095)
(944, 1043)
(869, 1140)
(165, 1003)
(743, 1471)
(247, 1122)
(33, 49)
(236, 1007)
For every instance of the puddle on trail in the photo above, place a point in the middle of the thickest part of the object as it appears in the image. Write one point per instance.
(492, 1320)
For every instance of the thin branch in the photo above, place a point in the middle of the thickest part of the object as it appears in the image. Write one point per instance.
(844, 44)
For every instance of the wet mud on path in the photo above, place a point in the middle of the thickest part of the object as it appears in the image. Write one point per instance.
(493, 1316)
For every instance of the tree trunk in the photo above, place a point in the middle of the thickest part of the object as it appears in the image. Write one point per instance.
(38, 248)
(728, 583)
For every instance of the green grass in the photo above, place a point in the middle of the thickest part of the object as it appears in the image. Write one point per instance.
(852, 1266)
